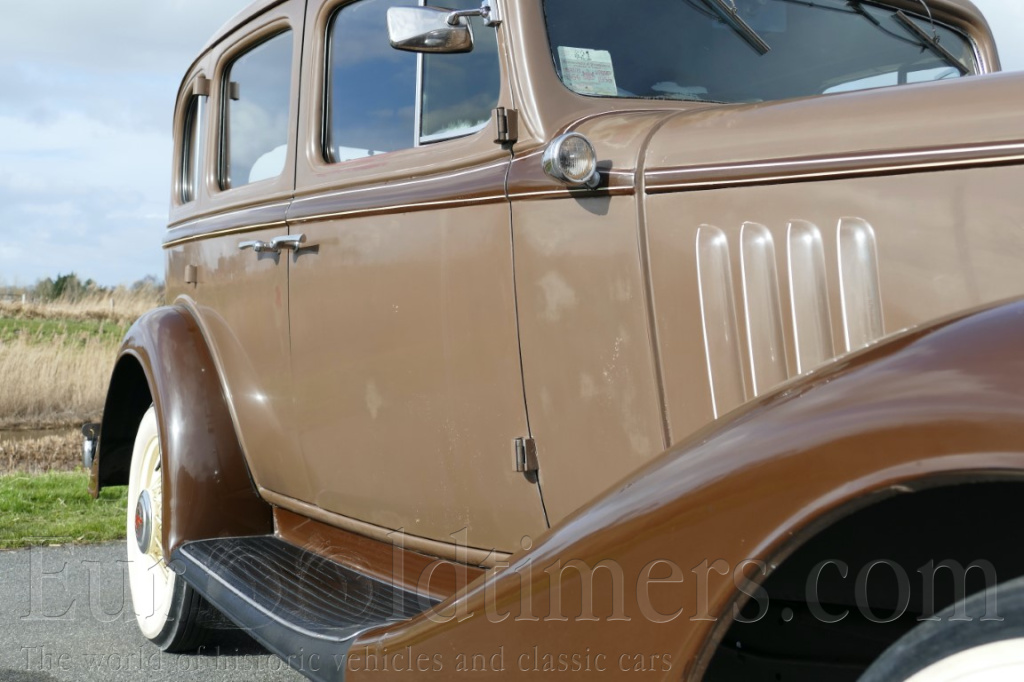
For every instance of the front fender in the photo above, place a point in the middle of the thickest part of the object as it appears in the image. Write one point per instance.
(208, 492)
(942, 401)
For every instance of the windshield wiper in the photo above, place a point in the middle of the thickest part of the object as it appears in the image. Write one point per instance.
(731, 16)
(930, 42)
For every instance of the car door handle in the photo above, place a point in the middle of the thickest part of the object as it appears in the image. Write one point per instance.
(288, 241)
(285, 241)
(257, 246)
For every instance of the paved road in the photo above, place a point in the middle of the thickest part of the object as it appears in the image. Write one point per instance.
(66, 614)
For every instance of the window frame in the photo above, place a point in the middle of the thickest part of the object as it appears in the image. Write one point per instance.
(252, 42)
(184, 193)
(417, 138)
(314, 176)
(327, 86)
(191, 160)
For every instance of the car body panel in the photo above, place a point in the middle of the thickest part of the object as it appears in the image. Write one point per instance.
(403, 328)
(752, 326)
(612, 363)
(940, 404)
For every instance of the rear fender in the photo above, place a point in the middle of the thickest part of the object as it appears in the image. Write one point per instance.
(208, 491)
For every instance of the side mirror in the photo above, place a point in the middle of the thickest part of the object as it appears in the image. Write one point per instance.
(428, 29)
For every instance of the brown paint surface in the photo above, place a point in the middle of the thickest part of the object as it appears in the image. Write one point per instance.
(415, 572)
(938, 404)
(393, 397)
(207, 489)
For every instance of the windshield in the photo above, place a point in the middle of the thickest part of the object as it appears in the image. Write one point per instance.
(685, 49)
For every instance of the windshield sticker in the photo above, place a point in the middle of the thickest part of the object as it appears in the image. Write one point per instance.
(588, 72)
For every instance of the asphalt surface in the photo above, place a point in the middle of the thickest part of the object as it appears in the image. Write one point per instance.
(66, 614)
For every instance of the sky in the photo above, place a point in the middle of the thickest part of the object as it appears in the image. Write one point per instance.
(86, 95)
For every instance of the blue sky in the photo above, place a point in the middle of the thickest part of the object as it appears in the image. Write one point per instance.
(85, 120)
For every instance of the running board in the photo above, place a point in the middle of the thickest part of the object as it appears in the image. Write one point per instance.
(301, 606)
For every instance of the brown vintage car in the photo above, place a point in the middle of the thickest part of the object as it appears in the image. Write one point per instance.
(579, 338)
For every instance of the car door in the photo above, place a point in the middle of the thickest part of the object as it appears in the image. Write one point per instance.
(234, 181)
(404, 346)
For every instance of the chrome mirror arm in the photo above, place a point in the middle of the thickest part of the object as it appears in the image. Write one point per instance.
(488, 12)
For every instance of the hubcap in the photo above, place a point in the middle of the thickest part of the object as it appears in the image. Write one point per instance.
(144, 522)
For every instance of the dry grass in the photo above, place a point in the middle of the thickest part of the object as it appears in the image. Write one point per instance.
(55, 383)
(121, 306)
(56, 358)
(59, 451)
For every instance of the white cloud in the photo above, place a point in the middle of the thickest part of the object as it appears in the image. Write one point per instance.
(73, 153)
(85, 122)
(85, 149)
(116, 35)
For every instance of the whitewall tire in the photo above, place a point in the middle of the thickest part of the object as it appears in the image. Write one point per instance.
(166, 608)
(987, 648)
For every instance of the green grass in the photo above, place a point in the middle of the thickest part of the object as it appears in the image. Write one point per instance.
(56, 507)
(66, 331)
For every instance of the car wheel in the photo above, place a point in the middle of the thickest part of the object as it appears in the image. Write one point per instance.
(167, 609)
(987, 648)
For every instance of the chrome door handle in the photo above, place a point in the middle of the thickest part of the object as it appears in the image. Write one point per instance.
(258, 246)
(288, 241)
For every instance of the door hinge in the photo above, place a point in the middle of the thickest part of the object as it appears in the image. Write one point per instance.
(507, 125)
(526, 455)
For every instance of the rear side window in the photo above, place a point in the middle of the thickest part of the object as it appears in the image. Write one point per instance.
(193, 147)
(379, 99)
(257, 99)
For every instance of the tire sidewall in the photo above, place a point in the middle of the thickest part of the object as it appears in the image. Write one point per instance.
(938, 640)
(159, 624)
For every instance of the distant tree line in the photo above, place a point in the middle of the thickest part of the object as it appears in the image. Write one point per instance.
(71, 288)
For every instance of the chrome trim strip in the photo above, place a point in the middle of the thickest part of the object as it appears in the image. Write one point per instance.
(396, 208)
(564, 193)
(442, 178)
(236, 221)
(291, 212)
(779, 170)
(171, 243)
(304, 209)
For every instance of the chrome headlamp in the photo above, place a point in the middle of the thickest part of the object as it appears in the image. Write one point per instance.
(571, 159)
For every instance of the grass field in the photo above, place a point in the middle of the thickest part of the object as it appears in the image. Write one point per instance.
(44, 331)
(55, 362)
(56, 358)
(36, 453)
(56, 508)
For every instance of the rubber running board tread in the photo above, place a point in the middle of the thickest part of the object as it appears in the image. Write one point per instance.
(302, 606)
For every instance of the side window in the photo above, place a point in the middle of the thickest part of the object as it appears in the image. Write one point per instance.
(257, 88)
(460, 90)
(371, 88)
(193, 146)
